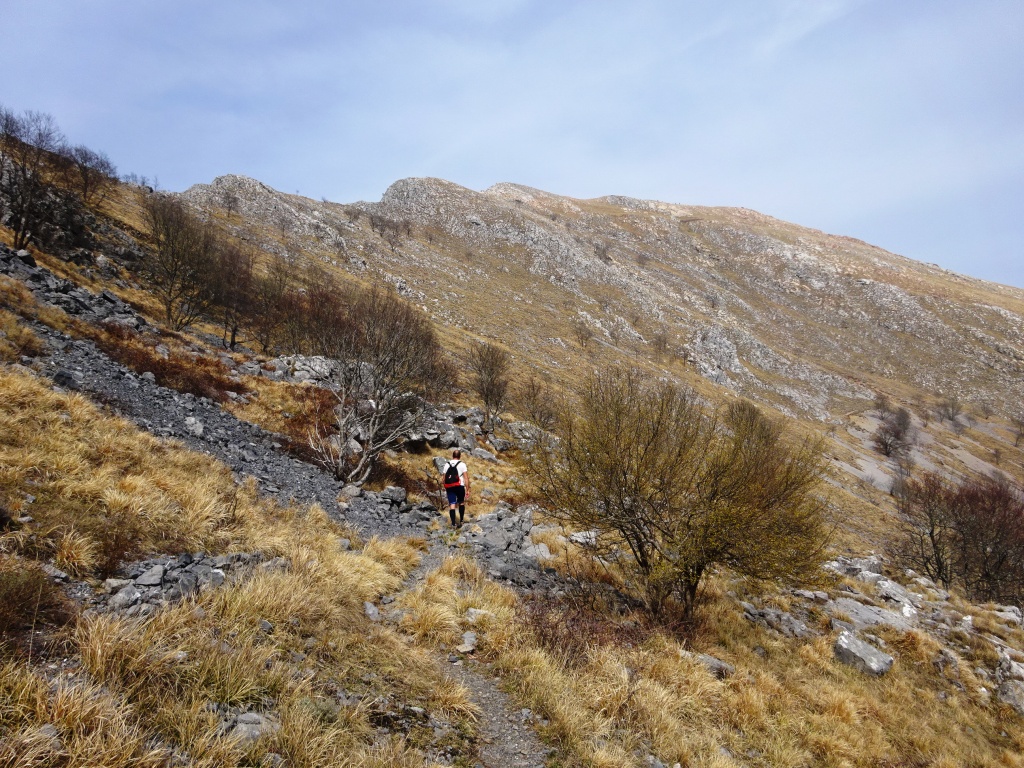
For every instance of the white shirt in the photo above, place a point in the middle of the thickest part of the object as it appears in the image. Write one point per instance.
(461, 467)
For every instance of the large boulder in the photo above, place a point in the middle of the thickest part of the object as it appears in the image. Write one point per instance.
(861, 615)
(851, 650)
(1012, 692)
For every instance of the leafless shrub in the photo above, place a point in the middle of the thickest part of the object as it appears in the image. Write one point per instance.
(388, 358)
(182, 267)
(1017, 420)
(674, 489)
(883, 405)
(894, 435)
(490, 366)
(659, 342)
(990, 523)
(583, 332)
(970, 534)
(986, 408)
(535, 400)
(950, 407)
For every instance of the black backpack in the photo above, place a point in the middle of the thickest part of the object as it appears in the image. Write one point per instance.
(451, 475)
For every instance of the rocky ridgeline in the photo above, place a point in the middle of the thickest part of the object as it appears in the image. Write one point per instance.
(755, 304)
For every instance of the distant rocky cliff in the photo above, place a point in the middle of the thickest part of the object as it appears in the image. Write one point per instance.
(791, 316)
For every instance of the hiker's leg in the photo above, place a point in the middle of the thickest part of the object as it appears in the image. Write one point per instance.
(462, 513)
(453, 499)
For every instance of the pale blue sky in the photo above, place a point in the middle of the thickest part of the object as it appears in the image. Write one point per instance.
(900, 122)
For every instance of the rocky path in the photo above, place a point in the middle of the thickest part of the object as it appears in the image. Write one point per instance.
(506, 732)
(507, 735)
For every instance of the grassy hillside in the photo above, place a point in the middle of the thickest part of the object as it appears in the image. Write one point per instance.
(323, 678)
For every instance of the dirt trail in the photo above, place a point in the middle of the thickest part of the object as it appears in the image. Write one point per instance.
(507, 735)
(507, 738)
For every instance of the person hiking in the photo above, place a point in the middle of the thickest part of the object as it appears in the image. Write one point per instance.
(456, 486)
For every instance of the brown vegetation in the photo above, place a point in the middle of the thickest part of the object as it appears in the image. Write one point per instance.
(673, 489)
(969, 534)
(199, 375)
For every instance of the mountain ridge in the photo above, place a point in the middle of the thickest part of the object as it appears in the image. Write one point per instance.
(788, 315)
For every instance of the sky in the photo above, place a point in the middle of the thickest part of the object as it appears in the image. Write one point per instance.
(899, 122)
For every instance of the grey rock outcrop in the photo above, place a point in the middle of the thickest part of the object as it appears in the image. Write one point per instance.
(150, 584)
(849, 649)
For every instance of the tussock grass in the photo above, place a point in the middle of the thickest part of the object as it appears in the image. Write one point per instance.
(93, 727)
(16, 339)
(27, 595)
(789, 702)
(103, 491)
(321, 645)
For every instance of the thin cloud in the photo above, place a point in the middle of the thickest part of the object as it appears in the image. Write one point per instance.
(829, 113)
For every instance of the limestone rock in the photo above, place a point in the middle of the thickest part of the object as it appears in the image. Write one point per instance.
(862, 615)
(851, 650)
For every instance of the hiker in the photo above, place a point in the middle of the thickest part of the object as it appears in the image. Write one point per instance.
(456, 485)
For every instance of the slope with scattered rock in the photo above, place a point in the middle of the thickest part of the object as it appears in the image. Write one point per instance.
(353, 621)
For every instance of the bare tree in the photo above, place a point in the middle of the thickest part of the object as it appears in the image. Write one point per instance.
(989, 515)
(535, 400)
(388, 358)
(986, 408)
(229, 201)
(91, 173)
(182, 266)
(673, 489)
(1017, 420)
(660, 343)
(970, 534)
(883, 405)
(270, 291)
(894, 435)
(583, 332)
(490, 366)
(950, 407)
(233, 288)
(29, 144)
(927, 534)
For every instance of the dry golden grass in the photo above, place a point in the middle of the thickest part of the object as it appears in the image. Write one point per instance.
(105, 491)
(148, 686)
(788, 704)
(17, 298)
(16, 339)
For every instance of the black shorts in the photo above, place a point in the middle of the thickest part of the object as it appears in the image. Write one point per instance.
(456, 494)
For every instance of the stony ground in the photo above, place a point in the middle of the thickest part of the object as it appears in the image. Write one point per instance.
(507, 736)
(500, 540)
